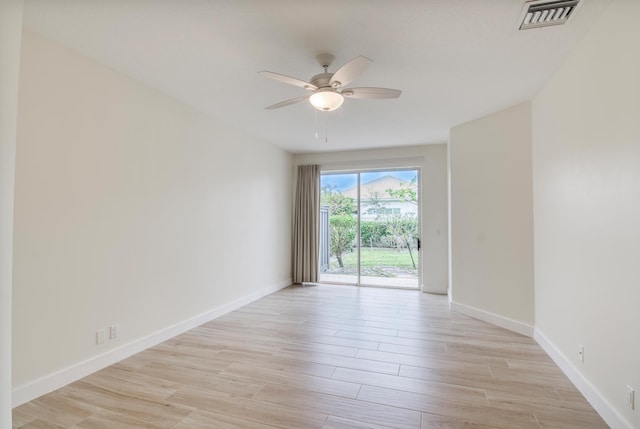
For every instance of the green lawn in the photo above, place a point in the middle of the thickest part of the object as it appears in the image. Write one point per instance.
(378, 257)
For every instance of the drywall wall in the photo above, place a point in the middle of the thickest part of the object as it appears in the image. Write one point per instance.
(10, 35)
(432, 161)
(131, 209)
(586, 167)
(491, 218)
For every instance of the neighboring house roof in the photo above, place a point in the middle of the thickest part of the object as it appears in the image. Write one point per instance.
(377, 186)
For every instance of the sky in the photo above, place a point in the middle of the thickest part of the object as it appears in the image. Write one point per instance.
(345, 181)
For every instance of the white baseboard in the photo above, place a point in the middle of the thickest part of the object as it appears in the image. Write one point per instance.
(595, 398)
(58, 379)
(494, 319)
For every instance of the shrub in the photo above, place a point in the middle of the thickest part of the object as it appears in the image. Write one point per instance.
(372, 233)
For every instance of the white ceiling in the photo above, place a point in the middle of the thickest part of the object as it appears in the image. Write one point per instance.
(454, 60)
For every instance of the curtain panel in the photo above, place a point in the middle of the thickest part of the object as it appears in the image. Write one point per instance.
(306, 224)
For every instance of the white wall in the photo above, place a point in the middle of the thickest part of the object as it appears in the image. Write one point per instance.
(586, 165)
(10, 35)
(130, 209)
(432, 160)
(491, 218)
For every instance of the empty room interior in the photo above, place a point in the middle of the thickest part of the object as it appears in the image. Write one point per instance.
(334, 214)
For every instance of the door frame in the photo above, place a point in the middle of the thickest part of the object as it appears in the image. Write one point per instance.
(358, 172)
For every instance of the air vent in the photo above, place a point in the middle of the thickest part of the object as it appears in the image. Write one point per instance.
(538, 14)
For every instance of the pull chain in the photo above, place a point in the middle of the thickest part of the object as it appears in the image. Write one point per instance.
(326, 128)
(316, 124)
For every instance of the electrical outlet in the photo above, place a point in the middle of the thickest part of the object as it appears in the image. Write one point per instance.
(581, 352)
(113, 332)
(631, 396)
(100, 336)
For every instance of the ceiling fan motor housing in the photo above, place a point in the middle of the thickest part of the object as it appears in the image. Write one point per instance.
(322, 80)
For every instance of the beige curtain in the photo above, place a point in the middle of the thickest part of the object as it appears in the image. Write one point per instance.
(306, 224)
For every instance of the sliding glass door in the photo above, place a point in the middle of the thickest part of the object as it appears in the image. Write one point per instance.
(338, 228)
(370, 228)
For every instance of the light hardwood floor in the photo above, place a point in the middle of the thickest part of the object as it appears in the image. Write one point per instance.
(327, 357)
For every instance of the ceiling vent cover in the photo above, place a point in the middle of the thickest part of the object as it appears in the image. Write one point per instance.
(544, 13)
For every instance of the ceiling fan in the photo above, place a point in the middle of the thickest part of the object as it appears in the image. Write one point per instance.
(328, 90)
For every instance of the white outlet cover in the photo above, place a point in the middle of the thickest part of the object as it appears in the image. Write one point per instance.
(631, 396)
(100, 336)
(581, 353)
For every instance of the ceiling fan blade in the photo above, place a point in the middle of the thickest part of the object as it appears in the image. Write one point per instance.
(288, 79)
(350, 71)
(371, 93)
(287, 102)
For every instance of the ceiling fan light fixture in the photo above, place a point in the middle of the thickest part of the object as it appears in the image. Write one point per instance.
(326, 100)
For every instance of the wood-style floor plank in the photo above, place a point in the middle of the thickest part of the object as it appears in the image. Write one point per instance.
(326, 357)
